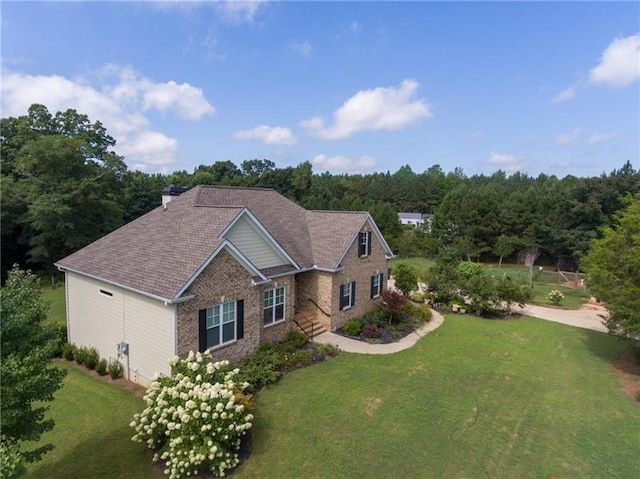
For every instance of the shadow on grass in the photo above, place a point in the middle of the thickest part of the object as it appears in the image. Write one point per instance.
(102, 456)
(605, 346)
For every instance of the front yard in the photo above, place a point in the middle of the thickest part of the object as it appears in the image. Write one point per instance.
(475, 398)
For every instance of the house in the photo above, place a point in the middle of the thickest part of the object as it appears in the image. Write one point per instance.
(415, 219)
(220, 269)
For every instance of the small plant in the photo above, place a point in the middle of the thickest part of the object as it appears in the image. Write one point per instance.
(102, 367)
(91, 359)
(69, 351)
(115, 369)
(297, 359)
(371, 331)
(555, 297)
(352, 327)
(378, 316)
(327, 349)
(294, 340)
(261, 368)
(81, 355)
(419, 296)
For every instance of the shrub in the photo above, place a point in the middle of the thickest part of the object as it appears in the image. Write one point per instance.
(371, 331)
(327, 349)
(406, 278)
(194, 419)
(378, 316)
(352, 327)
(115, 369)
(60, 329)
(102, 366)
(91, 359)
(69, 351)
(294, 340)
(297, 359)
(467, 269)
(419, 296)
(81, 355)
(261, 368)
(419, 312)
(555, 297)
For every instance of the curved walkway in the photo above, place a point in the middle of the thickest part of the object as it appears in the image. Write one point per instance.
(587, 317)
(355, 346)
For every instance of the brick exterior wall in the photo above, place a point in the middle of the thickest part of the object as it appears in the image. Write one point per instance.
(278, 331)
(317, 285)
(226, 280)
(359, 270)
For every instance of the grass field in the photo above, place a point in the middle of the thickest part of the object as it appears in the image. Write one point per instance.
(546, 281)
(92, 437)
(57, 305)
(476, 398)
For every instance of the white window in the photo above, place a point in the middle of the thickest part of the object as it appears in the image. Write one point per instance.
(376, 285)
(364, 243)
(221, 324)
(274, 300)
(347, 295)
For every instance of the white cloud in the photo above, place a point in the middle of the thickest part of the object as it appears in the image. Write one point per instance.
(564, 95)
(598, 137)
(304, 48)
(275, 135)
(566, 138)
(120, 100)
(186, 101)
(355, 27)
(476, 134)
(150, 148)
(619, 64)
(389, 108)
(238, 11)
(508, 163)
(344, 164)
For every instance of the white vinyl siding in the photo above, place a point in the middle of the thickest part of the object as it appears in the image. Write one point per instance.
(253, 246)
(97, 320)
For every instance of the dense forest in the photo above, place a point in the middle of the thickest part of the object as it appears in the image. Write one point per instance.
(64, 186)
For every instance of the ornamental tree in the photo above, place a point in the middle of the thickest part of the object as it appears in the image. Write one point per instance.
(613, 265)
(194, 418)
(28, 379)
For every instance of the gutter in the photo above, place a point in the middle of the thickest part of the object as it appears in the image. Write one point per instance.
(166, 301)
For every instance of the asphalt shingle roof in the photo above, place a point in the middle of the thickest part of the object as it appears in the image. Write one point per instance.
(160, 252)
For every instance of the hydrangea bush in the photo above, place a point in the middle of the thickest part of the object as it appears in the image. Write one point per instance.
(194, 419)
(555, 296)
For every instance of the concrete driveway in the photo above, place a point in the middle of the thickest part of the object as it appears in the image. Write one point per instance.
(587, 317)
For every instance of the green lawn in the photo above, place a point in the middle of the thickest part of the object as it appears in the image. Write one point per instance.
(476, 398)
(92, 437)
(57, 304)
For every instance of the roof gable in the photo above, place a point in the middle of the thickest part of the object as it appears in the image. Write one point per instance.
(163, 251)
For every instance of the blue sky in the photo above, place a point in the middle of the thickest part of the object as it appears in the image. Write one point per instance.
(353, 87)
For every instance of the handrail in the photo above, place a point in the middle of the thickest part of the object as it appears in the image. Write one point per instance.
(319, 307)
(310, 336)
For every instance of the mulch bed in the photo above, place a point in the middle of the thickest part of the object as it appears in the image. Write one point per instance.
(627, 368)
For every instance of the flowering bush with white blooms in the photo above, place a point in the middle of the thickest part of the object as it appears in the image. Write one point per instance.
(555, 296)
(194, 419)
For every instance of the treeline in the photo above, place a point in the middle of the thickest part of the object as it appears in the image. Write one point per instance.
(64, 186)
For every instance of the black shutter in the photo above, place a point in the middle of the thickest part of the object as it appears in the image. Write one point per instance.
(240, 319)
(202, 330)
(342, 297)
(353, 294)
(368, 243)
(381, 282)
(361, 247)
(373, 287)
